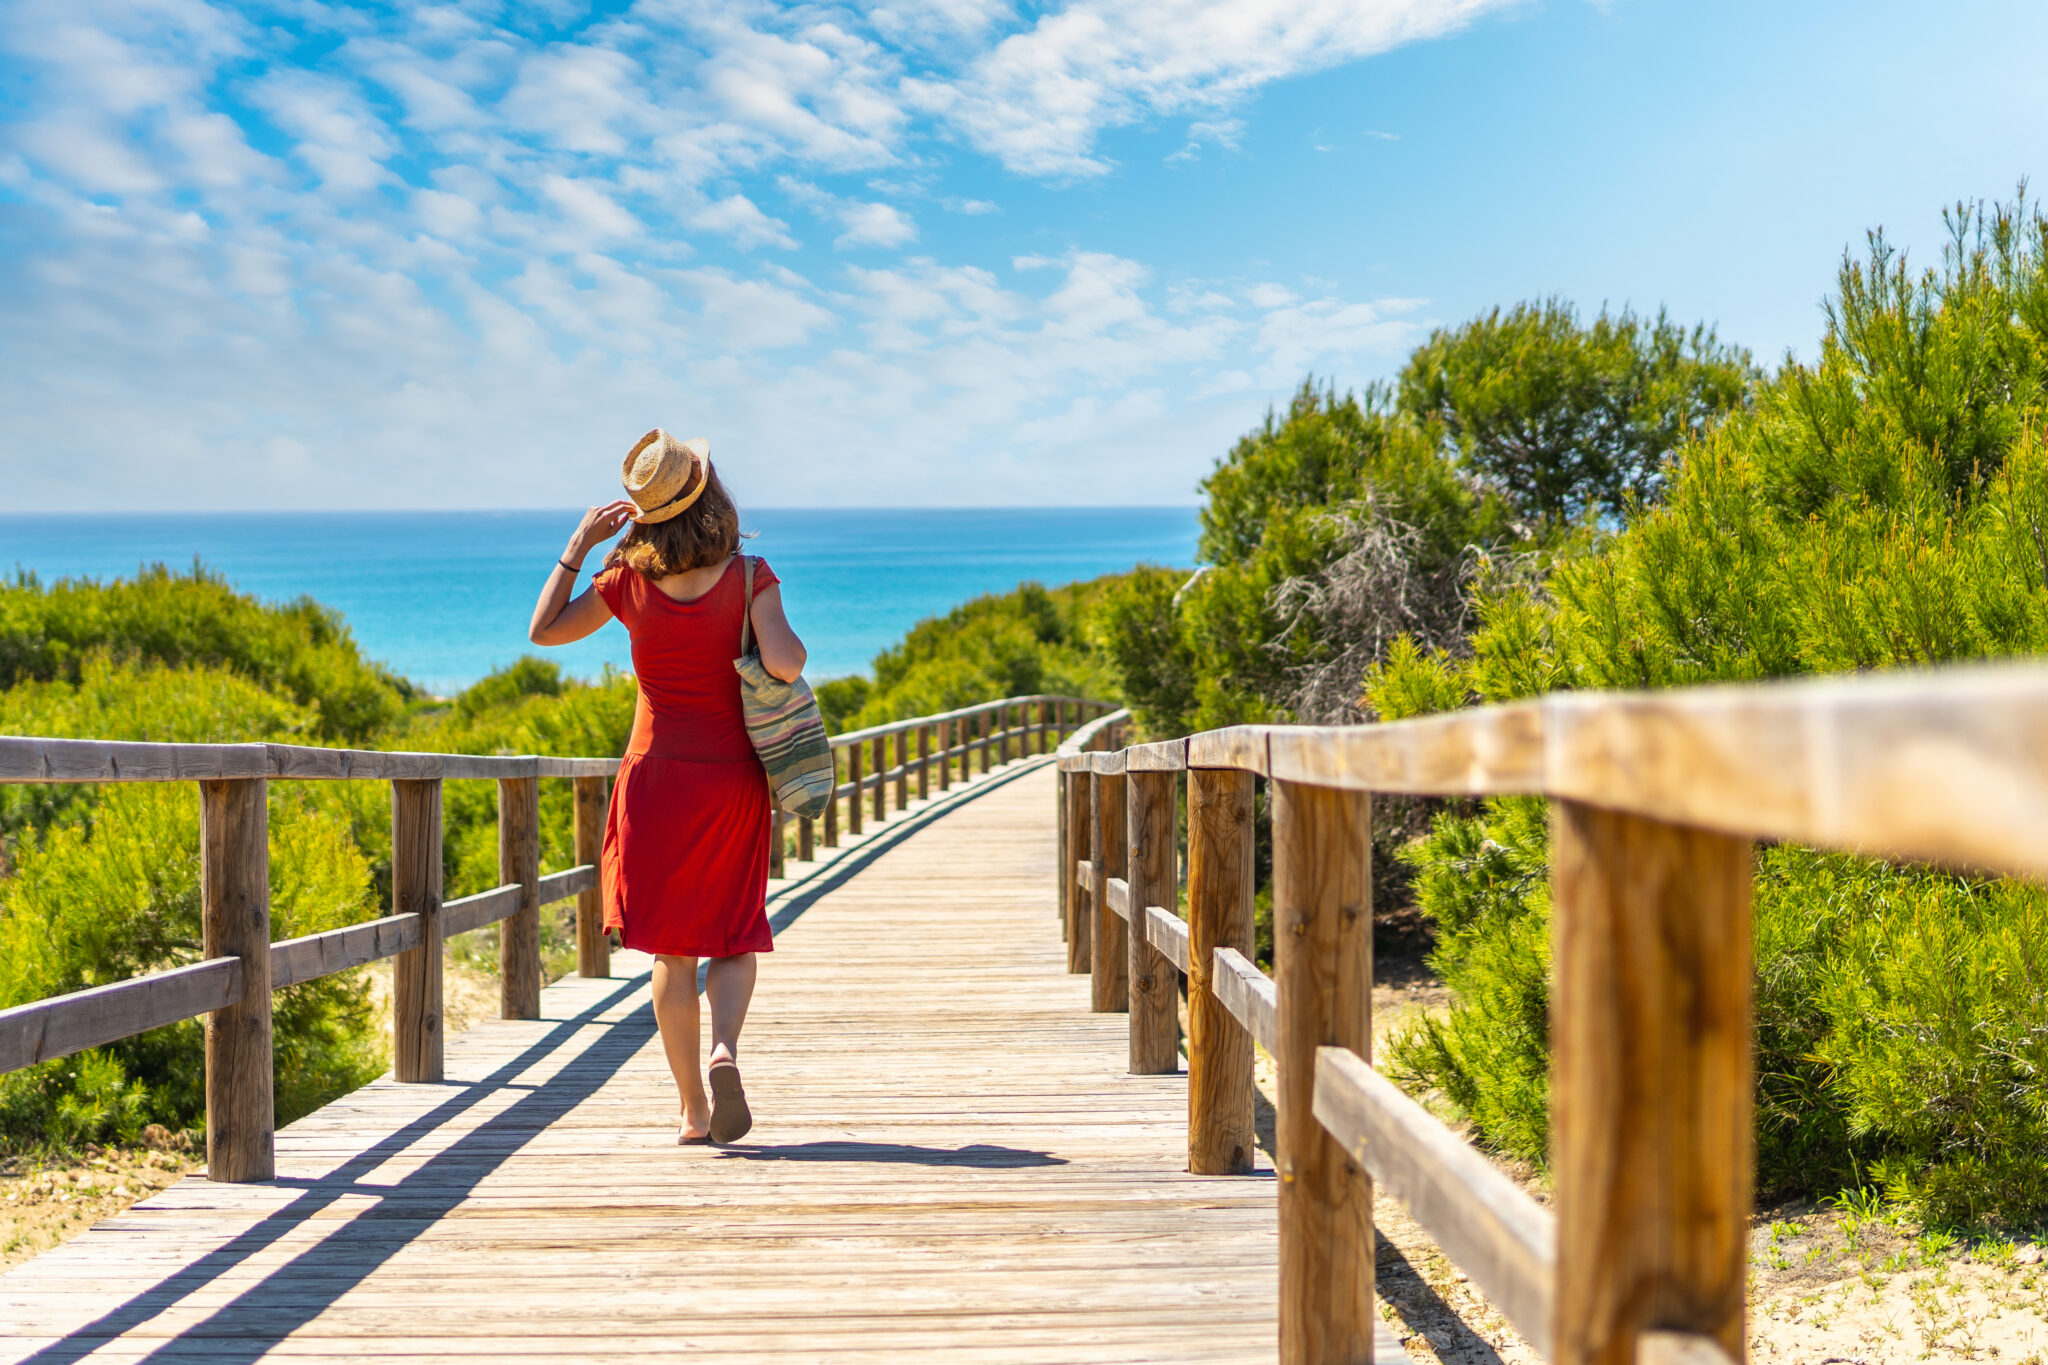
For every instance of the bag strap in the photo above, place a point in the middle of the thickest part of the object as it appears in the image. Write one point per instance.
(747, 608)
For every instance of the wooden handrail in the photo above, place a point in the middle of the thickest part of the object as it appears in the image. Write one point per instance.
(1658, 797)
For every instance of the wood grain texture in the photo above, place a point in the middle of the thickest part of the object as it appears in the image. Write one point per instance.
(881, 761)
(924, 762)
(470, 913)
(1221, 873)
(1109, 953)
(1166, 756)
(1249, 995)
(312, 956)
(1078, 868)
(1240, 748)
(1322, 950)
(593, 945)
(1117, 892)
(1650, 1081)
(1006, 1194)
(519, 968)
(1481, 1220)
(61, 1025)
(1167, 933)
(1150, 811)
(853, 775)
(570, 883)
(234, 898)
(418, 1014)
(1495, 750)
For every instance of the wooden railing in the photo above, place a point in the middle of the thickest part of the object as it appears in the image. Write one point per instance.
(240, 966)
(1656, 799)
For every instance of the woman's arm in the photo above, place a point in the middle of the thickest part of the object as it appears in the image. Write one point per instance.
(782, 654)
(556, 619)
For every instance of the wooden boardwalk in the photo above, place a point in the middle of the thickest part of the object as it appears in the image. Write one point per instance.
(950, 1162)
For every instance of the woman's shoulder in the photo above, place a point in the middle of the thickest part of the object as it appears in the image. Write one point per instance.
(763, 575)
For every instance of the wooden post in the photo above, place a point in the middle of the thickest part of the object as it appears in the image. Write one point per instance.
(1650, 1081)
(881, 757)
(1045, 728)
(806, 840)
(1221, 874)
(1154, 984)
(987, 750)
(1109, 953)
(776, 855)
(1063, 898)
(857, 795)
(519, 969)
(593, 945)
(234, 898)
(945, 755)
(417, 1017)
(924, 762)
(1080, 840)
(832, 806)
(1322, 937)
(903, 770)
(1005, 721)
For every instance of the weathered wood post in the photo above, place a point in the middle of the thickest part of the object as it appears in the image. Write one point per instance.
(1006, 720)
(1063, 899)
(1322, 949)
(1650, 1081)
(1080, 841)
(1047, 739)
(903, 770)
(945, 755)
(1109, 953)
(234, 898)
(806, 840)
(1221, 872)
(776, 855)
(987, 749)
(832, 806)
(924, 762)
(593, 947)
(519, 969)
(1154, 984)
(418, 1021)
(881, 757)
(857, 795)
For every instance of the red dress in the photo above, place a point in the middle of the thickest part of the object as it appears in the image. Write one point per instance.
(686, 842)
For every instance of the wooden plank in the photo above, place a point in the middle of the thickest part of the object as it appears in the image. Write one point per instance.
(1498, 750)
(1322, 949)
(418, 1014)
(31, 759)
(63, 1024)
(1109, 955)
(1221, 872)
(1168, 935)
(312, 956)
(1241, 748)
(1079, 871)
(1084, 874)
(1109, 764)
(234, 898)
(1650, 1081)
(519, 967)
(1483, 1222)
(1116, 893)
(485, 907)
(1250, 996)
(593, 945)
(1150, 812)
(582, 769)
(1167, 756)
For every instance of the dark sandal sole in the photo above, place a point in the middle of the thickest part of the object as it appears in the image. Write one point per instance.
(731, 1120)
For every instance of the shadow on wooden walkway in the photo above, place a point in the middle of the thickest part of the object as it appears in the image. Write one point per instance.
(949, 1161)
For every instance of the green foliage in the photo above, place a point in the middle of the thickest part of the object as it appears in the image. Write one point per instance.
(527, 676)
(1886, 506)
(1563, 417)
(300, 649)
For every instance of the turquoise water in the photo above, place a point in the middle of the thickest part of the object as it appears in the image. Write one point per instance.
(444, 597)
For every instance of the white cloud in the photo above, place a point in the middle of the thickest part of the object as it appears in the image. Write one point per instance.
(739, 218)
(874, 225)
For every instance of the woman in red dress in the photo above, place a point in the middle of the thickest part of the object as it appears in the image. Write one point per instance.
(685, 868)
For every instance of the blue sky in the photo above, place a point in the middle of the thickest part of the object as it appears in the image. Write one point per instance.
(937, 252)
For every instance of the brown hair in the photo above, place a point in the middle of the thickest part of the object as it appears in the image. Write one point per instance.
(702, 534)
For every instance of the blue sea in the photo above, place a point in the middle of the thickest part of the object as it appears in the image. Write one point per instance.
(444, 597)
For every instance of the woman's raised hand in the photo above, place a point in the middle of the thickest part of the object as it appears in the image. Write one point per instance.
(599, 524)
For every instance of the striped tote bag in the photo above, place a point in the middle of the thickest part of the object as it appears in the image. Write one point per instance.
(784, 722)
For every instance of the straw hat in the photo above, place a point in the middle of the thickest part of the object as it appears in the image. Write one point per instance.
(657, 474)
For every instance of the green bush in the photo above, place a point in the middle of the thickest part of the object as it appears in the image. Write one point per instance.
(1882, 507)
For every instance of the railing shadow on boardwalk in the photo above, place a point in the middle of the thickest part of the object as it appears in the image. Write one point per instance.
(247, 1328)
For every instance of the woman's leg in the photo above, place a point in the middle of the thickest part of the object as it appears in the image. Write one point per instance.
(675, 1014)
(729, 982)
